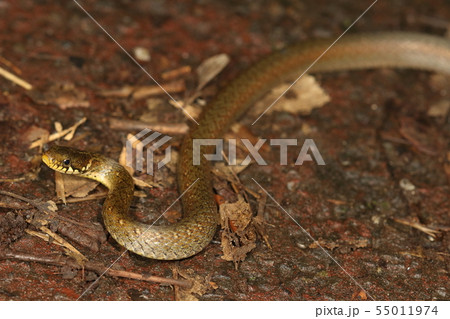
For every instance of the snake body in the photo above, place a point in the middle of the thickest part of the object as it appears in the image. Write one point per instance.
(198, 225)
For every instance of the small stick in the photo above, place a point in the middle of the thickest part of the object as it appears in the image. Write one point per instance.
(85, 199)
(15, 79)
(140, 92)
(429, 231)
(97, 268)
(176, 73)
(176, 86)
(69, 132)
(43, 207)
(129, 125)
(10, 65)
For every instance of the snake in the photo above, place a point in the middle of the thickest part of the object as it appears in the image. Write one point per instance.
(195, 230)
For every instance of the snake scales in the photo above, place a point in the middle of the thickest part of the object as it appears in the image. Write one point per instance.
(196, 229)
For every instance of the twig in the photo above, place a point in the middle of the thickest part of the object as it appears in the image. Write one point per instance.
(95, 196)
(176, 86)
(14, 205)
(140, 92)
(15, 79)
(10, 65)
(129, 125)
(176, 73)
(95, 267)
(43, 207)
(429, 231)
(68, 132)
(13, 180)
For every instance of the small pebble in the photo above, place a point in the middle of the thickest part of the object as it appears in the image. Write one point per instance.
(142, 54)
(406, 185)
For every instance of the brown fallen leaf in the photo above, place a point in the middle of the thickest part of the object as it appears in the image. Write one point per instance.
(34, 133)
(206, 71)
(210, 68)
(302, 98)
(238, 235)
(75, 186)
(64, 95)
(199, 285)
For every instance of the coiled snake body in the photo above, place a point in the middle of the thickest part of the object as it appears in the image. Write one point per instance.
(198, 225)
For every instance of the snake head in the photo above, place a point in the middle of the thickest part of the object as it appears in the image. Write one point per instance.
(67, 160)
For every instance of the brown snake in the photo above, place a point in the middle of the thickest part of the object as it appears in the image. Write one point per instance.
(196, 229)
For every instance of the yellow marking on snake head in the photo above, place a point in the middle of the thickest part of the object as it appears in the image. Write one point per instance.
(87, 166)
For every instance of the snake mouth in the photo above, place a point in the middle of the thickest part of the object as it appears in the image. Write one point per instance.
(46, 159)
(57, 166)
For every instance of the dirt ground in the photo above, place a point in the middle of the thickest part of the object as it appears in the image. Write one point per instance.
(379, 206)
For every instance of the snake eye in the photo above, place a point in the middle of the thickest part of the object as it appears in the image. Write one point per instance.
(66, 162)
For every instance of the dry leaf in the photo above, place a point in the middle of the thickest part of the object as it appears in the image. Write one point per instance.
(238, 235)
(33, 133)
(76, 186)
(64, 95)
(302, 98)
(439, 109)
(209, 69)
(199, 285)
